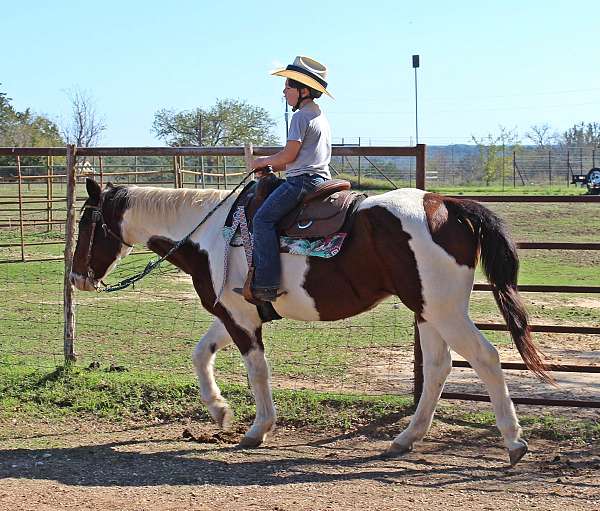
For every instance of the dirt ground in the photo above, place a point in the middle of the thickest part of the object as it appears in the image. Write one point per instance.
(154, 466)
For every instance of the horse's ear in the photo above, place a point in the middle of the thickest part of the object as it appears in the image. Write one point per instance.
(109, 185)
(93, 188)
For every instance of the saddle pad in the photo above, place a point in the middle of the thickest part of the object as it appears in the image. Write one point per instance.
(322, 247)
(319, 247)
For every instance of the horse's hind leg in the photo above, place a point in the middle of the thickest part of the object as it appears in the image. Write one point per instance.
(465, 338)
(204, 358)
(436, 367)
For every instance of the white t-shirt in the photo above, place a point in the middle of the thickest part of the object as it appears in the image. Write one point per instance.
(310, 127)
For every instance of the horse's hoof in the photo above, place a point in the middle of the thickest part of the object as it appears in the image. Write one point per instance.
(395, 450)
(516, 454)
(249, 442)
(224, 418)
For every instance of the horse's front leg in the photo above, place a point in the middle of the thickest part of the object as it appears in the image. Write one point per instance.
(260, 381)
(204, 355)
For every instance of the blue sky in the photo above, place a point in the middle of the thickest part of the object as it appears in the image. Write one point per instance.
(483, 64)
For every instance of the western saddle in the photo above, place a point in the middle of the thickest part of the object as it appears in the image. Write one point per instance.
(322, 212)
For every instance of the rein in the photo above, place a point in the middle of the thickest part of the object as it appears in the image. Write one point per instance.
(153, 264)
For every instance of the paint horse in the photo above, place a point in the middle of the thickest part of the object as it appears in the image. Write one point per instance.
(421, 247)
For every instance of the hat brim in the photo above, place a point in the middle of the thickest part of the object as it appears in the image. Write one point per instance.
(302, 78)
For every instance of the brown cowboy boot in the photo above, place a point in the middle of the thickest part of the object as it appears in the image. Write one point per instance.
(253, 295)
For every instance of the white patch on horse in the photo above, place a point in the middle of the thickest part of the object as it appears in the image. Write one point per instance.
(446, 289)
(440, 293)
(296, 303)
(173, 214)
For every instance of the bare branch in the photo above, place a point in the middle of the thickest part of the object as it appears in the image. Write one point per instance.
(85, 126)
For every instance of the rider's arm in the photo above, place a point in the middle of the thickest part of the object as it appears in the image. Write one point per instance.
(279, 160)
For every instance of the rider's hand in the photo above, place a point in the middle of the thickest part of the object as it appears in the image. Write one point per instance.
(263, 171)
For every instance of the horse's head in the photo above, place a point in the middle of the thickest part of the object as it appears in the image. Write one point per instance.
(99, 244)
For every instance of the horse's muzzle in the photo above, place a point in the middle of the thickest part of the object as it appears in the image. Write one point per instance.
(83, 283)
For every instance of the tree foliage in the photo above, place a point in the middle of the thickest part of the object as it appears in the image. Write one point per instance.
(25, 129)
(583, 135)
(228, 122)
(495, 152)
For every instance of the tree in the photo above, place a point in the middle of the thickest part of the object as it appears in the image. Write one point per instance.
(494, 151)
(228, 122)
(582, 135)
(20, 129)
(84, 126)
(542, 136)
(25, 129)
(6, 110)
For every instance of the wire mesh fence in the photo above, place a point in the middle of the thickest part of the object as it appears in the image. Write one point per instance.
(156, 326)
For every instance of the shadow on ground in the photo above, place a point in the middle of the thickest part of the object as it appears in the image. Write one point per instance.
(161, 457)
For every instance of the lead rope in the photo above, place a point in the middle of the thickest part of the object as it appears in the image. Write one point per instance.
(239, 222)
(130, 281)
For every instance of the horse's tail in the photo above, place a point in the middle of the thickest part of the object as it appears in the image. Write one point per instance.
(500, 263)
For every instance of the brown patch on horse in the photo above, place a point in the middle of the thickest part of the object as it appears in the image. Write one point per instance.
(376, 262)
(451, 232)
(195, 263)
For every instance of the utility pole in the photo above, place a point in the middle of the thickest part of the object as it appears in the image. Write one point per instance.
(415, 65)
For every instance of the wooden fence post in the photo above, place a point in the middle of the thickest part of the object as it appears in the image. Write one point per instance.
(69, 303)
(175, 173)
(418, 354)
(248, 156)
(101, 167)
(180, 167)
(420, 167)
(417, 366)
(359, 170)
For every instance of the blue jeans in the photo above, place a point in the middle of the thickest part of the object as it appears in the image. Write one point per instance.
(265, 256)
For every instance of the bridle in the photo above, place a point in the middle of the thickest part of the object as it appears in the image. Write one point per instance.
(98, 218)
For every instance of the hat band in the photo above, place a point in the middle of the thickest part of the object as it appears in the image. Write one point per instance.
(302, 70)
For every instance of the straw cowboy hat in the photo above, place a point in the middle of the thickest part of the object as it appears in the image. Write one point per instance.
(307, 71)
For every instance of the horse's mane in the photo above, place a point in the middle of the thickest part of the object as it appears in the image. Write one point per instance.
(164, 202)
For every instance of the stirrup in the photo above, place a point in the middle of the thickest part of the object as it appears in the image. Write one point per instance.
(253, 296)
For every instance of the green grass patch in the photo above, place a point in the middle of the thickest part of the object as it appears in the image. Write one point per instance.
(72, 392)
(67, 393)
